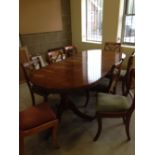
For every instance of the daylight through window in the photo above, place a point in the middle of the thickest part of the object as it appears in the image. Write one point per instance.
(128, 31)
(92, 13)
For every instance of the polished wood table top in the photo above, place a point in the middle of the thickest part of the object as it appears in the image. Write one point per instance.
(80, 71)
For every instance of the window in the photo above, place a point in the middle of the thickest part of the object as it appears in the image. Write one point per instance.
(128, 31)
(92, 11)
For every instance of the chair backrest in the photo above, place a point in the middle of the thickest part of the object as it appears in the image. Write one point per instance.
(131, 82)
(114, 77)
(43, 63)
(24, 56)
(55, 55)
(130, 64)
(112, 46)
(131, 89)
(29, 68)
(70, 50)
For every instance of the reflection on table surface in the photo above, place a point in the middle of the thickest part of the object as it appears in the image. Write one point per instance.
(79, 71)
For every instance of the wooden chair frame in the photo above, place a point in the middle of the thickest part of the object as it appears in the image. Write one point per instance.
(112, 46)
(28, 69)
(28, 132)
(55, 55)
(114, 78)
(126, 76)
(70, 50)
(126, 115)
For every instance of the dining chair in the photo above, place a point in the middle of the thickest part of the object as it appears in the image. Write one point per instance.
(24, 56)
(107, 84)
(55, 55)
(43, 63)
(116, 106)
(36, 119)
(124, 74)
(112, 46)
(70, 50)
(28, 69)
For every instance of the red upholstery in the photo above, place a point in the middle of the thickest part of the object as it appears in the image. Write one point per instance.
(35, 116)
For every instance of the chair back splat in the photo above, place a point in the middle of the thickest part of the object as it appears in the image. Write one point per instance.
(112, 46)
(28, 69)
(109, 83)
(114, 78)
(70, 50)
(55, 55)
(124, 76)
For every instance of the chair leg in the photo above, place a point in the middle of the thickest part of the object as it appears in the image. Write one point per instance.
(87, 99)
(54, 136)
(99, 120)
(124, 119)
(33, 98)
(123, 86)
(21, 145)
(127, 126)
(46, 98)
(61, 106)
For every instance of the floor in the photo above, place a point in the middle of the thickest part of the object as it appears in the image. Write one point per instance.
(75, 134)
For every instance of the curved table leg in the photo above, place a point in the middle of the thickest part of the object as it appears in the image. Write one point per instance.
(66, 103)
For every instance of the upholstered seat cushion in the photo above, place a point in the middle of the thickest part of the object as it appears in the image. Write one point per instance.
(111, 103)
(35, 116)
(102, 86)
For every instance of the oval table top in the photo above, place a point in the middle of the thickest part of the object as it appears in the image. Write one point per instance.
(79, 71)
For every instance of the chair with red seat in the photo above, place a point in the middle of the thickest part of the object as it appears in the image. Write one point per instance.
(36, 119)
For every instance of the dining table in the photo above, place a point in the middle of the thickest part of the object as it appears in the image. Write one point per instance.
(79, 72)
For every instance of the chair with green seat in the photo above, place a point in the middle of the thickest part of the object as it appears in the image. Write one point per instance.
(107, 84)
(116, 106)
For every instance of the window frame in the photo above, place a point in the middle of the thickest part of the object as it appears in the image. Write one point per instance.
(125, 14)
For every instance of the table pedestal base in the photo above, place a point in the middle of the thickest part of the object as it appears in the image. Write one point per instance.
(66, 103)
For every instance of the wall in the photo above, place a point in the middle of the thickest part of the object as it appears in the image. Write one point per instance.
(110, 20)
(39, 43)
(71, 18)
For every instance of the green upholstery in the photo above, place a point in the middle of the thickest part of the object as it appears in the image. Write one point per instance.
(111, 103)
